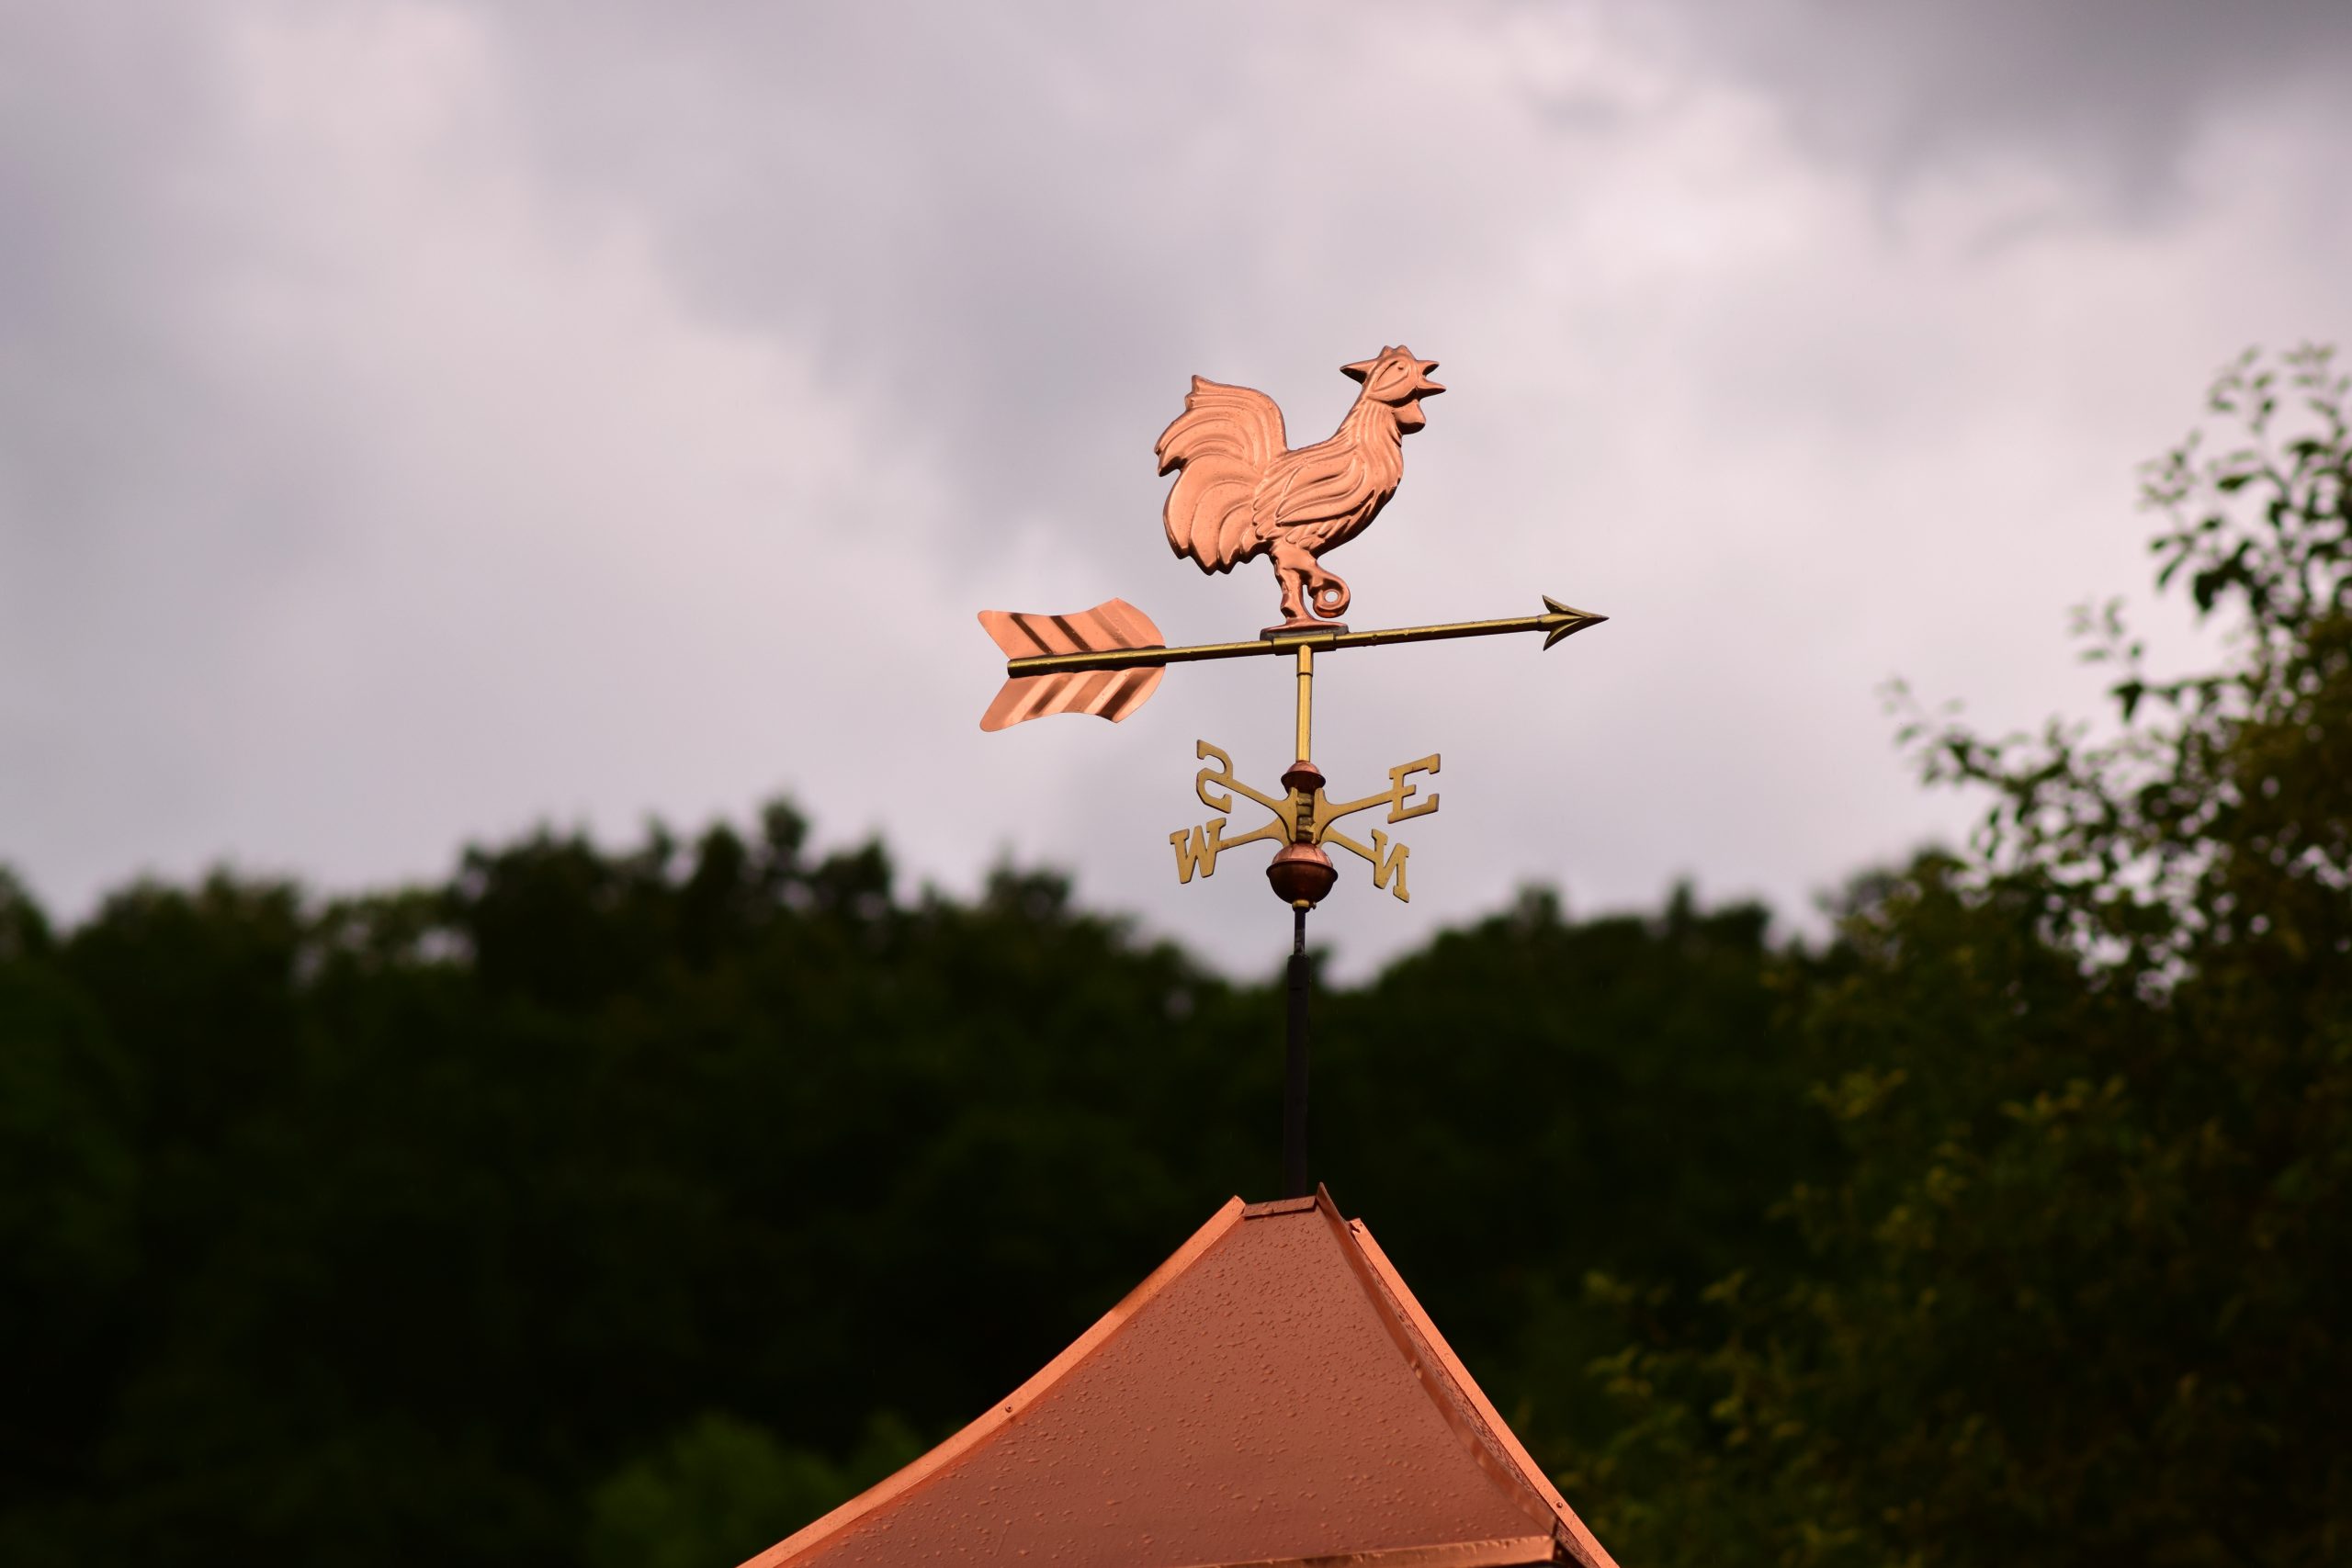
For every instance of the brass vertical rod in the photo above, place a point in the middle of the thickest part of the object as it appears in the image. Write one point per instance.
(1306, 700)
(1294, 1181)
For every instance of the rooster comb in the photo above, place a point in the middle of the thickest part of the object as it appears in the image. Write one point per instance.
(1395, 354)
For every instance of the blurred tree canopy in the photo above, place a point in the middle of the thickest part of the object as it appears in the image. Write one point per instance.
(610, 1206)
(2076, 1292)
(636, 1207)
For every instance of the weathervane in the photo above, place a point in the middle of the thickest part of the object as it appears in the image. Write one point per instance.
(1241, 492)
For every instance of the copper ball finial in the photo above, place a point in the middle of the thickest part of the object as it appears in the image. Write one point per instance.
(1301, 875)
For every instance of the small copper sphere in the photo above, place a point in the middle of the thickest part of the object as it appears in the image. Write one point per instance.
(1304, 776)
(1300, 873)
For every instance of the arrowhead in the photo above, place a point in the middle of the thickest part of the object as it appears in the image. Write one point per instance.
(1565, 620)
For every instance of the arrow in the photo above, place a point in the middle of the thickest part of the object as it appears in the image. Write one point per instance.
(1559, 620)
(1025, 697)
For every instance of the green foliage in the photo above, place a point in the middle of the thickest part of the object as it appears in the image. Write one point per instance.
(1530, 1097)
(723, 1489)
(2075, 1296)
(586, 1207)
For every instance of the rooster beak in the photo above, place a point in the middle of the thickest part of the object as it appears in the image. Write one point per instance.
(1427, 387)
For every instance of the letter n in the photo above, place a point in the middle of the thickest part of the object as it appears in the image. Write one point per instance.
(1385, 861)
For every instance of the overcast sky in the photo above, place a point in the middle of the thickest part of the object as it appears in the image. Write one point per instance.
(421, 421)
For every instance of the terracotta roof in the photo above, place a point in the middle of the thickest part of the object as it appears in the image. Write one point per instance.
(1271, 1394)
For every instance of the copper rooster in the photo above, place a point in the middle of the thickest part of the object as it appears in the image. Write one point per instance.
(1239, 493)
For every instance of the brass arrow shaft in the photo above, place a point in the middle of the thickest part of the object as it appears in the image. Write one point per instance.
(1557, 619)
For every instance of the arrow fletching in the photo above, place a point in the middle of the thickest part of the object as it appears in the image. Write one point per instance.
(1105, 693)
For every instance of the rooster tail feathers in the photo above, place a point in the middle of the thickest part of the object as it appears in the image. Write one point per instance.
(1221, 445)
(1207, 512)
(1219, 421)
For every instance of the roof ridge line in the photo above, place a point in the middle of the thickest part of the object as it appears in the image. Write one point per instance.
(1491, 1437)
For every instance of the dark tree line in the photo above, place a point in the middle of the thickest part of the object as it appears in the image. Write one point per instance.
(2076, 1289)
(632, 1206)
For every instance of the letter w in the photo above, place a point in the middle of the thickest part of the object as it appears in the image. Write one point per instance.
(1197, 849)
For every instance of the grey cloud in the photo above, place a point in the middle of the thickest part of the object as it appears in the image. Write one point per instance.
(1017, 228)
(144, 496)
(2107, 94)
(405, 434)
(103, 124)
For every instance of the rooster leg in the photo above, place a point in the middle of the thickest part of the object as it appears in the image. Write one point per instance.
(1305, 585)
(1293, 566)
(1325, 592)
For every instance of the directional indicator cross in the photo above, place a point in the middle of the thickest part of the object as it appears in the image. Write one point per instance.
(1108, 660)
